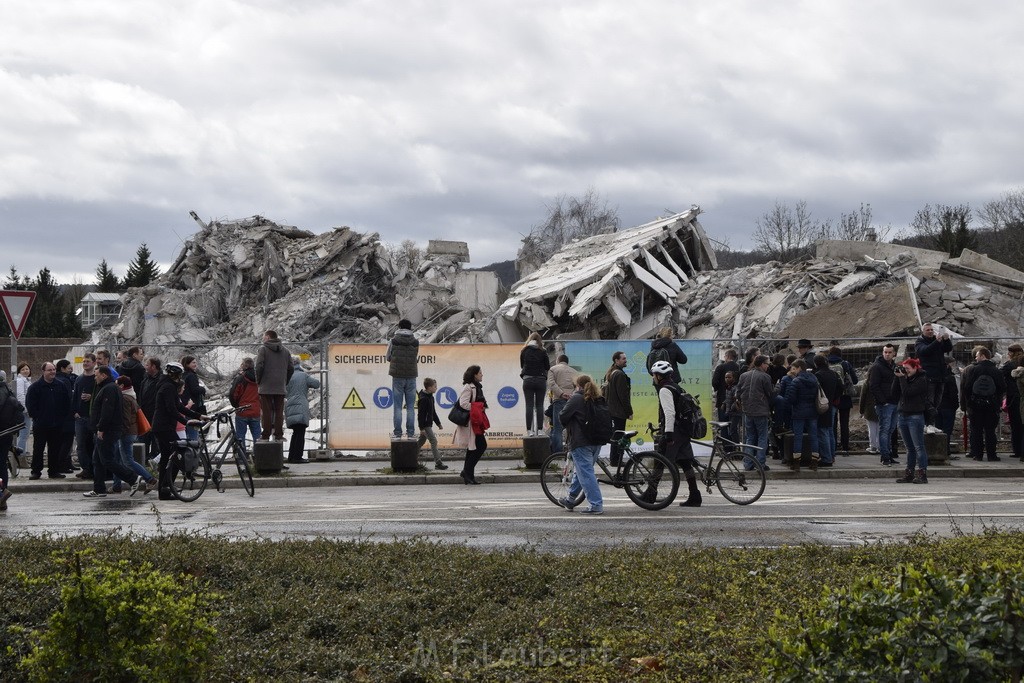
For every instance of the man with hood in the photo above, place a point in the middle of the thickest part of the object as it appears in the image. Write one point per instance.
(663, 347)
(132, 367)
(403, 355)
(273, 370)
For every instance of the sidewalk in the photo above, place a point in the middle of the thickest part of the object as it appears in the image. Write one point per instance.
(370, 471)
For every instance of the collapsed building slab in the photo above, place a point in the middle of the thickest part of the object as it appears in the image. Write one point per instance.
(616, 285)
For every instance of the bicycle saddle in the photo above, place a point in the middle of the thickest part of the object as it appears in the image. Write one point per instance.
(619, 434)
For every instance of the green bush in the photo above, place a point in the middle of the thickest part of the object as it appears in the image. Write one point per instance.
(923, 626)
(119, 623)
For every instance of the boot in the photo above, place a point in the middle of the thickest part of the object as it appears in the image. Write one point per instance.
(920, 478)
(694, 500)
(815, 457)
(907, 478)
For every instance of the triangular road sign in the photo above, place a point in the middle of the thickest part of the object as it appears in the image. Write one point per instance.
(16, 305)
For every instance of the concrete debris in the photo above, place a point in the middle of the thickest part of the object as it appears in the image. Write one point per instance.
(235, 279)
(616, 285)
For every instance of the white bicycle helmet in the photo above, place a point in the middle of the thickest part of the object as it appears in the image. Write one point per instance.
(174, 369)
(661, 367)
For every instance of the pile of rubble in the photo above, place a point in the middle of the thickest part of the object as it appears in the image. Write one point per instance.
(234, 279)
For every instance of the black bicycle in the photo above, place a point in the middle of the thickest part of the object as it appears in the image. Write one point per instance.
(193, 464)
(650, 479)
(13, 466)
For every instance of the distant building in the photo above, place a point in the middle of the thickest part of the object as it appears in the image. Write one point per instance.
(99, 309)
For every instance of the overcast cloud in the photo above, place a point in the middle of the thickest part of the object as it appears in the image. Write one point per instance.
(461, 120)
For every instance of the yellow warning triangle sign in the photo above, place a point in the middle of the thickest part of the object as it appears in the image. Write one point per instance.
(353, 402)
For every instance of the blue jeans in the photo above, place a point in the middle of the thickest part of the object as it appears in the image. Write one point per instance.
(912, 430)
(128, 460)
(756, 434)
(253, 424)
(85, 439)
(556, 424)
(404, 391)
(886, 423)
(584, 458)
(827, 437)
(800, 424)
(23, 435)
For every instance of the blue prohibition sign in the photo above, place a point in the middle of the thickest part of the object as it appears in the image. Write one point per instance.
(446, 397)
(508, 397)
(382, 398)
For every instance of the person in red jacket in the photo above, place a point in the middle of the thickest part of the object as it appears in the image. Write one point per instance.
(245, 395)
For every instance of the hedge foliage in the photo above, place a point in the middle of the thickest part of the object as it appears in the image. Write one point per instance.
(326, 610)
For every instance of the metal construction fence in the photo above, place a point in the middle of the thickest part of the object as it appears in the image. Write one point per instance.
(354, 405)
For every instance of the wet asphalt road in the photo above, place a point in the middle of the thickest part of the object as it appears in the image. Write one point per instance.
(495, 516)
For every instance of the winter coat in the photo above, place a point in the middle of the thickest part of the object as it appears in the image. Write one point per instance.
(21, 385)
(471, 395)
(561, 380)
(880, 377)
(755, 394)
(676, 357)
(972, 373)
(147, 394)
(950, 392)
(1018, 377)
(533, 361)
(802, 396)
(403, 354)
(296, 404)
(194, 391)
(168, 411)
(47, 403)
(718, 379)
(273, 368)
(85, 384)
(867, 403)
(130, 413)
(845, 402)
(69, 385)
(783, 411)
(245, 392)
(134, 370)
(1012, 392)
(426, 410)
(913, 394)
(931, 353)
(106, 415)
(619, 394)
(572, 417)
(832, 385)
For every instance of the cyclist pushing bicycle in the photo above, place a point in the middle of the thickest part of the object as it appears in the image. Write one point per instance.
(674, 422)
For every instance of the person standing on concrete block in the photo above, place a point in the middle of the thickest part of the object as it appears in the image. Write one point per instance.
(533, 369)
(931, 350)
(296, 409)
(273, 370)
(561, 384)
(403, 355)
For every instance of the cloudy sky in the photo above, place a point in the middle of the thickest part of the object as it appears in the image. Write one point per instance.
(463, 120)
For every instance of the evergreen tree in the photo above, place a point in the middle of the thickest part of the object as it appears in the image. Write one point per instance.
(106, 281)
(52, 314)
(15, 281)
(142, 270)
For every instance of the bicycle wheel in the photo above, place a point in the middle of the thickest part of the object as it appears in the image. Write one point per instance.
(189, 474)
(737, 484)
(652, 481)
(12, 464)
(244, 469)
(556, 475)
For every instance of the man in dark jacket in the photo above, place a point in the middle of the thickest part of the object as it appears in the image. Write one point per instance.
(802, 396)
(756, 394)
(728, 364)
(106, 419)
(841, 426)
(426, 418)
(618, 393)
(132, 367)
(663, 347)
(48, 403)
(66, 375)
(931, 350)
(81, 401)
(880, 378)
(981, 395)
(273, 370)
(832, 385)
(805, 350)
(1016, 354)
(403, 355)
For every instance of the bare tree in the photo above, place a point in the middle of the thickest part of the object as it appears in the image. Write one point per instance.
(569, 218)
(948, 227)
(1005, 218)
(786, 233)
(406, 257)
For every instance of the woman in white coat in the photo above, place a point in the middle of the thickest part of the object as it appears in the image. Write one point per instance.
(471, 437)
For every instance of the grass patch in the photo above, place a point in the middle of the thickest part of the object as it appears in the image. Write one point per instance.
(418, 611)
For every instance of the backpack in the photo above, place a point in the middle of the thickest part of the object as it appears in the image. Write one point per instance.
(12, 413)
(983, 391)
(823, 404)
(597, 425)
(688, 410)
(657, 354)
(849, 388)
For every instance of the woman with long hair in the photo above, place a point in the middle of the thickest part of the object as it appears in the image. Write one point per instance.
(584, 454)
(534, 365)
(472, 436)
